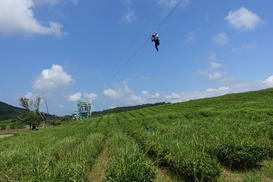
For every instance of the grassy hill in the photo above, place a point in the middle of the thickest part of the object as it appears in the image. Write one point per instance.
(226, 138)
(8, 111)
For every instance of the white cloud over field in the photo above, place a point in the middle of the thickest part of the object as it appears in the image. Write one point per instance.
(122, 94)
(55, 78)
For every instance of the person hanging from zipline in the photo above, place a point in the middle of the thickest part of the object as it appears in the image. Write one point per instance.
(155, 39)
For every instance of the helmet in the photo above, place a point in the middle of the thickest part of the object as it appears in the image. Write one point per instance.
(153, 35)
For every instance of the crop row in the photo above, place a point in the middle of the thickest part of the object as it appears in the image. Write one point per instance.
(57, 154)
(193, 149)
(128, 162)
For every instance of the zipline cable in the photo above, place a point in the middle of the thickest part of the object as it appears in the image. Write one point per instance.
(127, 62)
(127, 50)
(169, 15)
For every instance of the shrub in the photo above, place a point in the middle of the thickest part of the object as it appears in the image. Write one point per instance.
(241, 157)
(200, 170)
(128, 162)
(3, 127)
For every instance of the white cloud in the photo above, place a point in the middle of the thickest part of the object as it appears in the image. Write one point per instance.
(145, 77)
(135, 98)
(29, 95)
(112, 94)
(268, 82)
(53, 2)
(215, 75)
(53, 79)
(246, 47)
(172, 3)
(121, 97)
(212, 57)
(17, 16)
(74, 1)
(121, 91)
(123, 94)
(210, 72)
(173, 96)
(190, 37)
(92, 96)
(220, 39)
(215, 65)
(150, 97)
(243, 19)
(75, 97)
(130, 15)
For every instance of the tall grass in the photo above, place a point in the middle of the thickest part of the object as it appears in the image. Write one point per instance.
(128, 163)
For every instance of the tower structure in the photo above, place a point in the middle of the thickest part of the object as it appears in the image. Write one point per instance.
(84, 110)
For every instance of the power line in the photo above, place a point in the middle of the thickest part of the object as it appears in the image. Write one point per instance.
(169, 15)
(136, 37)
(127, 62)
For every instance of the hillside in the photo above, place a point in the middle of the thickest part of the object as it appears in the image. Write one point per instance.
(226, 138)
(8, 111)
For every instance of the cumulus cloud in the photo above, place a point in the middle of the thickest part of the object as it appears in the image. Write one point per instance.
(211, 73)
(172, 96)
(121, 97)
(268, 82)
(220, 39)
(29, 95)
(92, 96)
(17, 16)
(121, 91)
(243, 19)
(51, 79)
(215, 65)
(123, 94)
(78, 96)
(215, 75)
(75, 97)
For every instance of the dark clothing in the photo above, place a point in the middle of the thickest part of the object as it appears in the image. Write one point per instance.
(157, 42)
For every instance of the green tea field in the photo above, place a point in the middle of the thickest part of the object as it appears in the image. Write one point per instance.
(226, 138)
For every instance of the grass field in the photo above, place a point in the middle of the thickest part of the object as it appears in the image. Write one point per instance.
(227, 138)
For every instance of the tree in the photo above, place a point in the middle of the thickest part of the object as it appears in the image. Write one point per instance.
(32, 106)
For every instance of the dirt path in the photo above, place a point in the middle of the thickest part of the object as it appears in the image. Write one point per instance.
(5, 135)
(97, 173)
(162, 175)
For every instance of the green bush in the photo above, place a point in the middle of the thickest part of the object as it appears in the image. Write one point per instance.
(200, 170)
(3, 127)
(128, 162)
(241, 157)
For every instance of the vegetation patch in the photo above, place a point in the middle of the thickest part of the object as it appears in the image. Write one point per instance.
(242, 157)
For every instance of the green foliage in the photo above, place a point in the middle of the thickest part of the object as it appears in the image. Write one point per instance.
(3, 127)
(128, 162)
(195, 140)
(32, 119)
(183, 158)
(124, 109)
(16, 125)
(9, 112)
(241, 157)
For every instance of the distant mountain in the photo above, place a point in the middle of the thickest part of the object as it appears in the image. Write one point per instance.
(9, 112)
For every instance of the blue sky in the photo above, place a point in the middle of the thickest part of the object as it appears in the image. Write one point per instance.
(66, 50)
